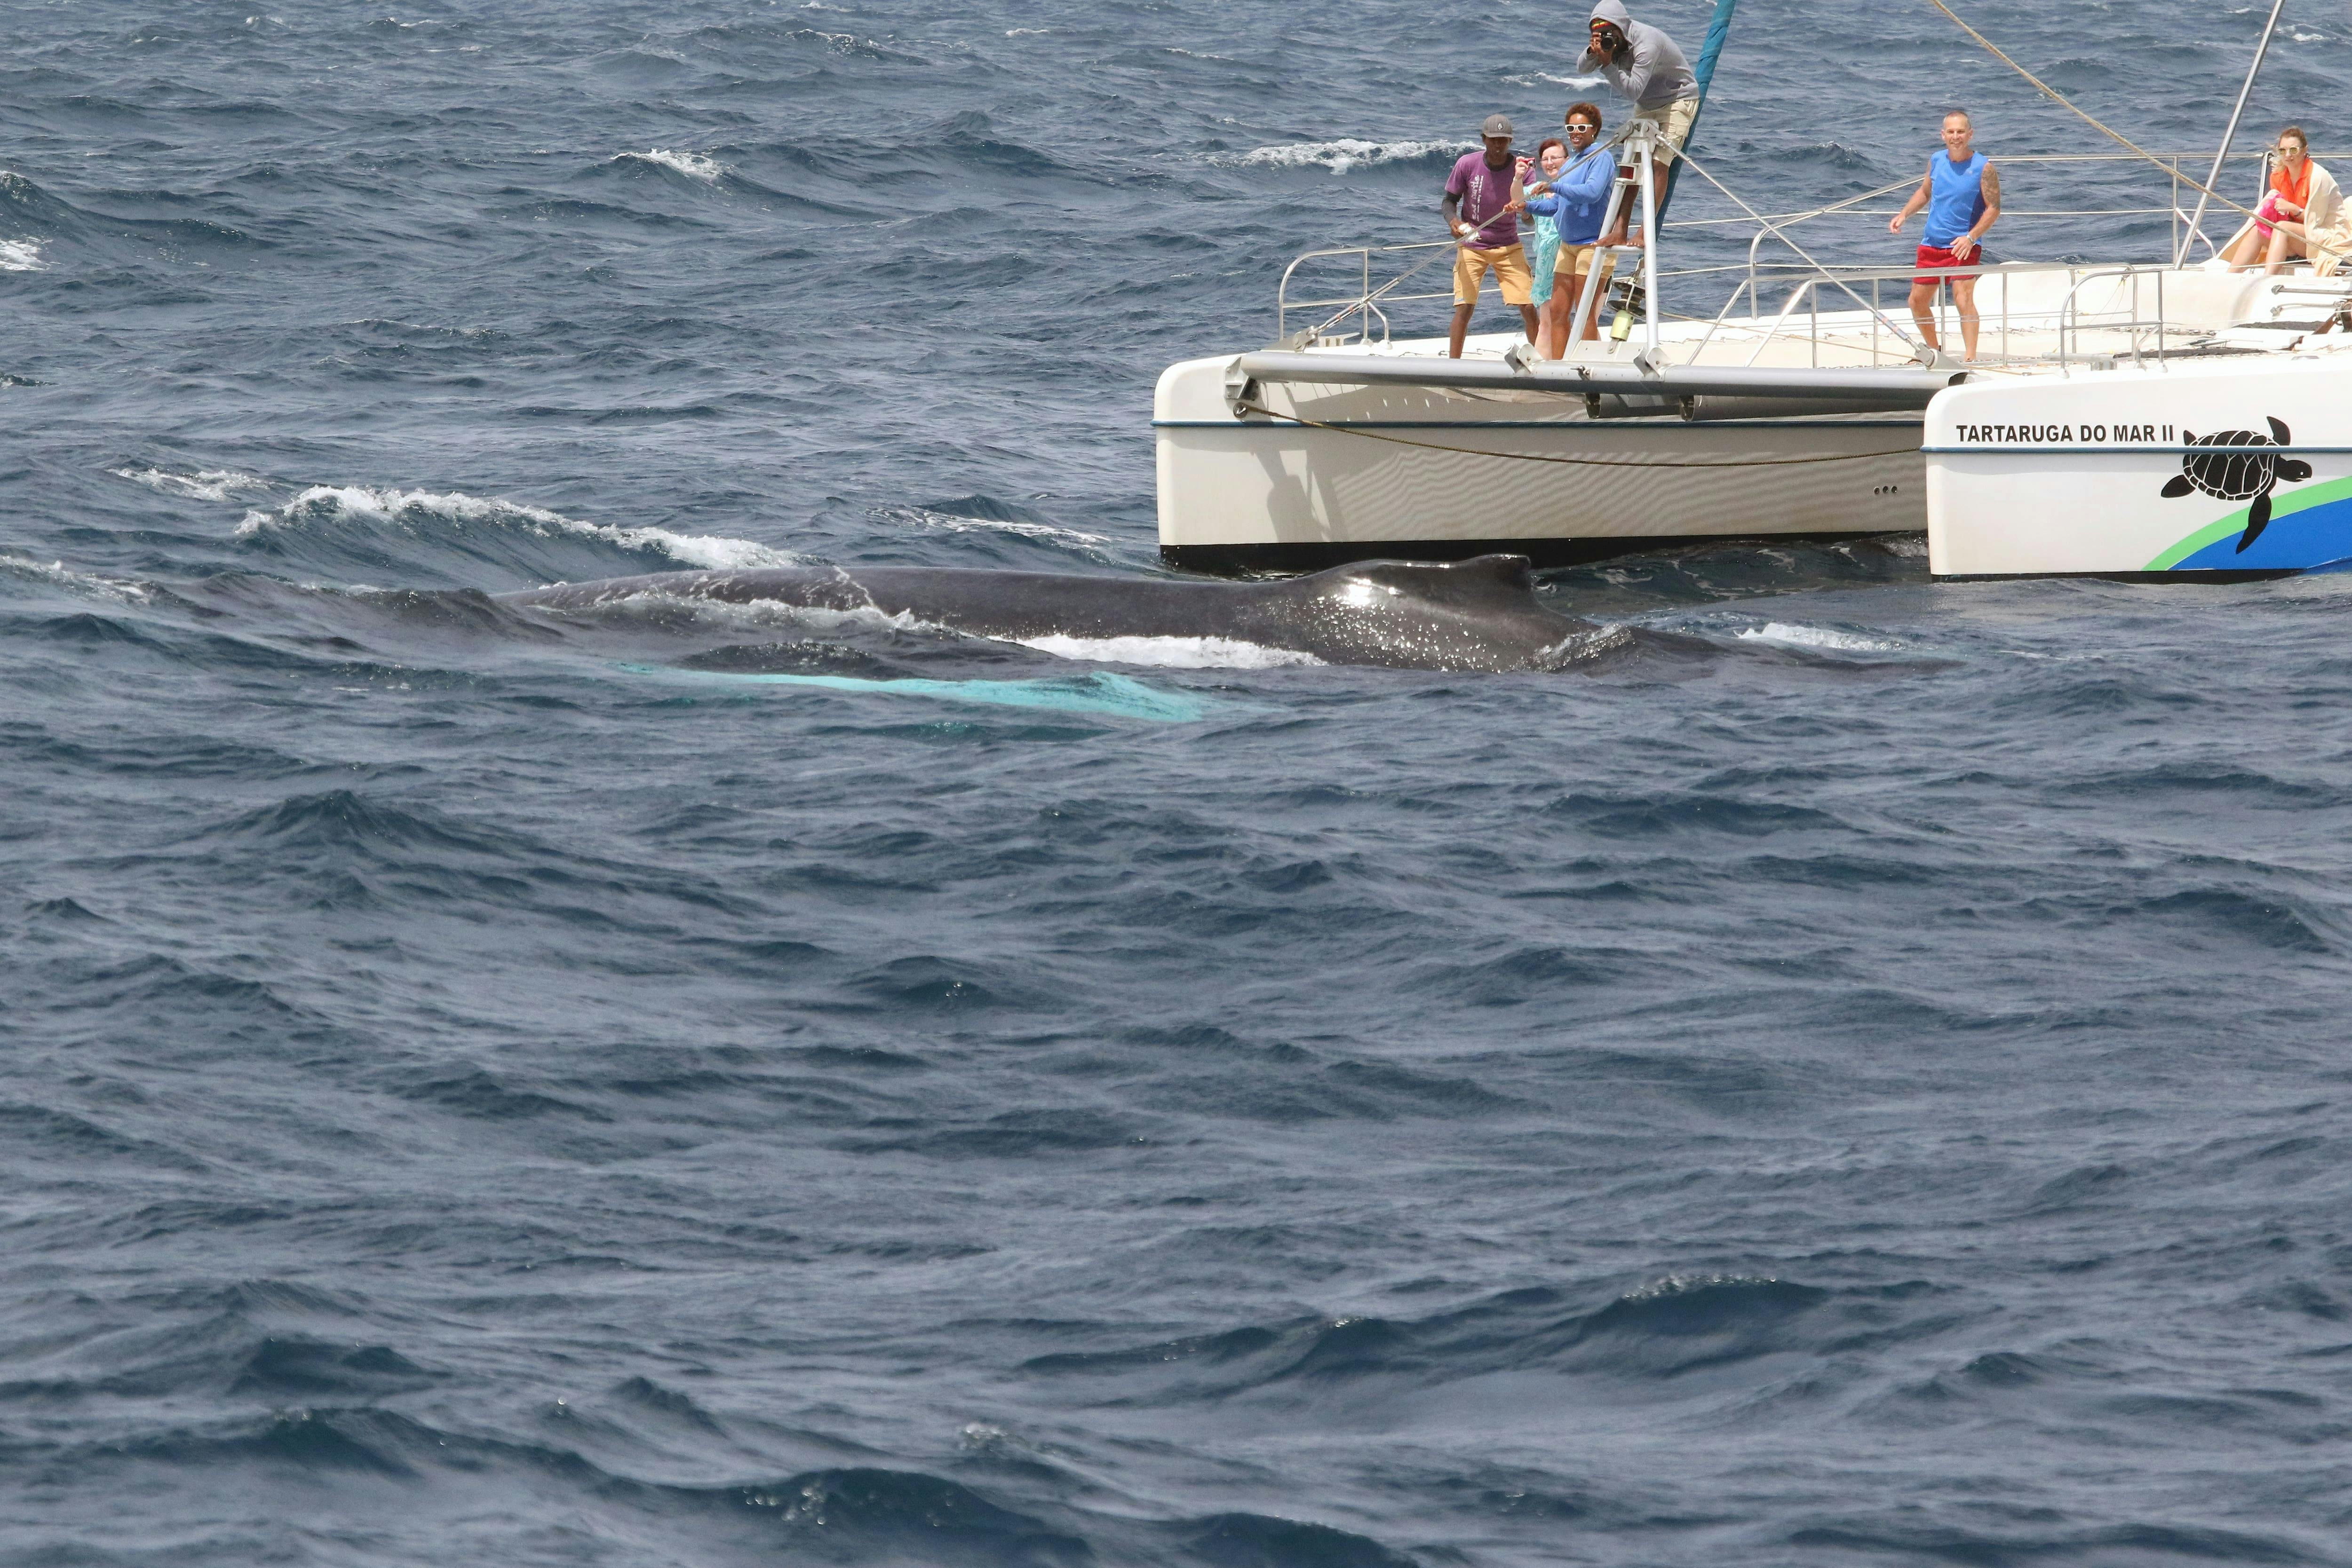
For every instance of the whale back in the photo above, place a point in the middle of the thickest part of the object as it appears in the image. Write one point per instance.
(1477, 614)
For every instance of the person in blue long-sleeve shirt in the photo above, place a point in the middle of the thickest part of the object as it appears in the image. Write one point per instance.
(1575, 200)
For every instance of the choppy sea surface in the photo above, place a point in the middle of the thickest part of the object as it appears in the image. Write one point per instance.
(707, 1087)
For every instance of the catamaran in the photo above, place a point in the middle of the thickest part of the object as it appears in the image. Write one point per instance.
(2166, 419)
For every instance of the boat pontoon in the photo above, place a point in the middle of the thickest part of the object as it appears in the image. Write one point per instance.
(2159, 418)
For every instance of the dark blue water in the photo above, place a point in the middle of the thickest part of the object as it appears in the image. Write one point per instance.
(1870, 1087)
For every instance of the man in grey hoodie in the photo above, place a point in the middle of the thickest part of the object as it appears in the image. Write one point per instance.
(1641, 63)
(1644, 66)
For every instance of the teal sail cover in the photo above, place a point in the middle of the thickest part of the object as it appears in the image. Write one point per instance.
(1717, 29)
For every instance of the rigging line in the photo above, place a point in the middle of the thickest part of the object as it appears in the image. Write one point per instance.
(2061, 98)
(1371, 301)
(2214, 176)
(1781, 235)
(1800, 216)
(1570, 462)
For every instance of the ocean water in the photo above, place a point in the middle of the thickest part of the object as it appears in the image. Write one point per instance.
(705, 1087)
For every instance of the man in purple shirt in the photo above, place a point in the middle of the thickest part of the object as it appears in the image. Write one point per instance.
(1482, 207)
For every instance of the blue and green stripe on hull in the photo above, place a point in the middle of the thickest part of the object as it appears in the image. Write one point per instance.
(2310, 527)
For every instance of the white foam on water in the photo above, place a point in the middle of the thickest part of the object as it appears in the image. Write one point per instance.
(56, 574)
(1531, 78)
(1170, 652)
(1339, 155)
(949, 522)
(401, 508)
(1796, 636)
(21, 256)
(694, 165)
(1682, 1284)
(207, 484)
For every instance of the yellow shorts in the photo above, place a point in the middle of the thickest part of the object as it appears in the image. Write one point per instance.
(1673, 124)
(1512, 274)
(1578, 259)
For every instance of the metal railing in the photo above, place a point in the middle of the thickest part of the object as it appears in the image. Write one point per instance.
(1363, 316)
(2081, 330)
(2138, 330)
(2174, 208)
(1367, 303)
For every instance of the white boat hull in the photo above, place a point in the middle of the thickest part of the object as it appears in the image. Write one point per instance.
(2097, 474)
(1434, 473)
(2071, 450)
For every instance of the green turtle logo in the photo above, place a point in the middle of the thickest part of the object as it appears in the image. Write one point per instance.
(2238, 468)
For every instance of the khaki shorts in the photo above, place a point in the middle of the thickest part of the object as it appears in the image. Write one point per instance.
(1578, 259)
(1513, 276)
(1673, 124)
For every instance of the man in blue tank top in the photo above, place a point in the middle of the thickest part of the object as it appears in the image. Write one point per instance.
(1962, 195)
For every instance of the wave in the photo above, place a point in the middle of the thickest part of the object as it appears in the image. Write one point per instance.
(56, 574)
(1833, 155)
(693, 165)
(1016, 1515)
(25, 205)
(206, 485)
(344, 820)
(1792, 635)
(979, 514)
(852, 46)
(1342, 154)
(352, 519)
(1655, 1331)
(1530, 79)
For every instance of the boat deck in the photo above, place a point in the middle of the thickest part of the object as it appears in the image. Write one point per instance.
(2040, 320)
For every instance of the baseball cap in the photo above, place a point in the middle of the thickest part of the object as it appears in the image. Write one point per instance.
(1496, 125)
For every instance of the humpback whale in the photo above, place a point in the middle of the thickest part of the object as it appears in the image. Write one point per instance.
(1477, 614)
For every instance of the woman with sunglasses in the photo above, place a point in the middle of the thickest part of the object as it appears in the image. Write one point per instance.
(1573, 197)
(2301, 197)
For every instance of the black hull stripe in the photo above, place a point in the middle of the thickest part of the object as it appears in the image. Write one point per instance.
(1582, 427)
(1241, 559)
(2127, 451)
(2216, 577)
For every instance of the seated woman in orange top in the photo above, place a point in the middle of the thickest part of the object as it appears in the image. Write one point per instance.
(2303, 196)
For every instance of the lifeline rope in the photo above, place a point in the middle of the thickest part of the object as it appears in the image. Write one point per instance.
(2060, 97)
(1571, 461)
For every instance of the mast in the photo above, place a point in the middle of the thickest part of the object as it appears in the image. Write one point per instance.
(2196, 224)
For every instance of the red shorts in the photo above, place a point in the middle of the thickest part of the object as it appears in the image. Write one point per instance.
(1941, 256)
